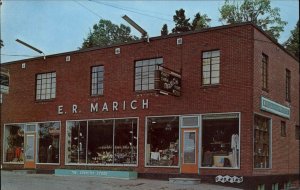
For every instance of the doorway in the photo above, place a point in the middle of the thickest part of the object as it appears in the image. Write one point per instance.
(30, 147)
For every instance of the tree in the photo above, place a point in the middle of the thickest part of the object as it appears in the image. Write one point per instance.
(1, 44)
(259, 12)
(200, 21)
(106, 33)
(292, 44)
(164, 31)
(181, 22)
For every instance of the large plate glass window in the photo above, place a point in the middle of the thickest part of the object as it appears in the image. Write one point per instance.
(103, 142)
(48, 135)
(262, 145)
(162, 141)
(145, 73)
(14, 143)
(45, 86)
(220, 141)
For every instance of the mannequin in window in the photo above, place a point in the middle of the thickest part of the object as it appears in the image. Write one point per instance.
(50, 154)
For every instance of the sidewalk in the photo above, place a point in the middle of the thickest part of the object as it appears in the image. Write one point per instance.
(17, 181)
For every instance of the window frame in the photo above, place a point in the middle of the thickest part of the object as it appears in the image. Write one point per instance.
(51, 87)
(210, 67)
(156, 67)
(297, 132)
(265, 72)
(91, 80)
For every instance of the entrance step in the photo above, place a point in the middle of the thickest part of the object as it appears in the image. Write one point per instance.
(185, 181)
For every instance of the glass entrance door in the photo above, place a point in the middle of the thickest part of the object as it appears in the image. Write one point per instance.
(30, 147)
(189, 150)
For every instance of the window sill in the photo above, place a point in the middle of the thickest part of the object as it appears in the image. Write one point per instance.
(210, 86)
(96, 96)
(265, 90)
(44, 101)
(146, 91)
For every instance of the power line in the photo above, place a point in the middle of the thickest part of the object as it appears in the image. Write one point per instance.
(16, 55)
(88, 9)
(126, 9)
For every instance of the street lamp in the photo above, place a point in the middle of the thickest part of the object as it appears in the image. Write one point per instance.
(31, 47)
(137, 27)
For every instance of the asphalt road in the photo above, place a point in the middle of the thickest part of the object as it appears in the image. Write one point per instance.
(18, 181)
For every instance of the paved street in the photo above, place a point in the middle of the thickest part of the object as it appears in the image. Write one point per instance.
(18, 181)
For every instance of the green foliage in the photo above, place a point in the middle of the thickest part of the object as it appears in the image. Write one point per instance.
(106, 33)
(292, 44)
(182, 23)
(164, 31)
(200, 21)
(259, 12)
(1, 44)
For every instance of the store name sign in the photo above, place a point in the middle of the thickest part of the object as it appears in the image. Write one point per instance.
(275, 108)
(106, 107)
(168, 82)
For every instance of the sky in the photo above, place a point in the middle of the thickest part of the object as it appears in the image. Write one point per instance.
(55, 26)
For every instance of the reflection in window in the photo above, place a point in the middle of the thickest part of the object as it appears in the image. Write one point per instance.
(48, 142)
(14, 143)
(76, 141)
(220, 141)
(162, 141)
(109, 142)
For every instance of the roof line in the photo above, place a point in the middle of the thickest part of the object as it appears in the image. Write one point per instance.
(162, 37)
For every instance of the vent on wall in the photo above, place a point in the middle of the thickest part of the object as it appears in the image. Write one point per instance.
(23, 65)
(68, 58)
(179, 41)
(117, 50)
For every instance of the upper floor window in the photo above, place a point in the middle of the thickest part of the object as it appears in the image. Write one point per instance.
(264, 72)
(211, 67)
(97, 76)
(145, 73)
(283, 129)
(45, 86)
(288, 85)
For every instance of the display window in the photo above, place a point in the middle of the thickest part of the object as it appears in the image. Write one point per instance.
(162, 144)
(103, 142)
(48, 135)
(220, 141)
(262, 145)
(14, 143)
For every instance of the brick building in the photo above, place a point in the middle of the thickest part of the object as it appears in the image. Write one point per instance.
(216, 102)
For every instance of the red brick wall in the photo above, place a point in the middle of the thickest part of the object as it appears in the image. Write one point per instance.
(233, 94)
(285, 150)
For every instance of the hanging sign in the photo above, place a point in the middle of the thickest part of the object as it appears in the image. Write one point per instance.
(168, 82)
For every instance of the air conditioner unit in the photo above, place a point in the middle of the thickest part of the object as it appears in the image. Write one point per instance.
(23, 65)
(179, 41)
(117, 51)
(68, 58)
